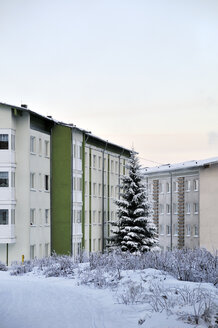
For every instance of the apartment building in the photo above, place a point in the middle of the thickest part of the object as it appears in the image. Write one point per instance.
(57, 184)
(185, 203)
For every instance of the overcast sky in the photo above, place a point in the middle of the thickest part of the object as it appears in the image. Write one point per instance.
(139, 72)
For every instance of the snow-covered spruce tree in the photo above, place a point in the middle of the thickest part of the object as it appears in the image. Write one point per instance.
(134, 230)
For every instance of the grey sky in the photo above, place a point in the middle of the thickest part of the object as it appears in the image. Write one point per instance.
(134, 72)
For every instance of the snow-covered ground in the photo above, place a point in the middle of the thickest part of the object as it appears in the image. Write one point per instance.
(34, 301)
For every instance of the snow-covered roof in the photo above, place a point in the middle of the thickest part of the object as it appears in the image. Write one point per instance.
(50, 118)
(181, 166)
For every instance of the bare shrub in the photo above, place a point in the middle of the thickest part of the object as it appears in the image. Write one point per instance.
(3, 267)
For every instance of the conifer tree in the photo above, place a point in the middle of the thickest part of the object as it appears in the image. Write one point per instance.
(134, 230)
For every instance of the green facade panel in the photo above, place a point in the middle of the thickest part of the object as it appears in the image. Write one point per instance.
(61, 184)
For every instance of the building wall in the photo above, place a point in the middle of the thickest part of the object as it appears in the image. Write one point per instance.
(209, 208)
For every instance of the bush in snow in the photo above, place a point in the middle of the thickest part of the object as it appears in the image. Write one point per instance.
(18, 269)
(57, 266)
(3, 267)
(134, 231)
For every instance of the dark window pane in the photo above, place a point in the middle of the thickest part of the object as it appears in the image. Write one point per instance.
(4, 217)
(3, 141)
(3, 179)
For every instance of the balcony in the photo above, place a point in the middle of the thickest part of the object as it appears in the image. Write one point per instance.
(7, 234)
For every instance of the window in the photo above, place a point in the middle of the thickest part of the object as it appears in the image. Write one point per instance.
(175, 208)
(40, 146)
(168, 187)
(13, 216)
(79, 216)
(99, 162)
(3, 217)
(94, 161)
(40, 181)
(79, 184)
(161, 188)
(195, 208)
(86, 187)
(112, 191)
(188, 208)
(74, 151)
(175, 229)
(196, 231)
(99, 190)
(32, 144)
(112, 166)
(161, 209)
(40, 216)
(105, 191)
(94, 216)
(74, 183)
(188, 229)
(86, 159)
(46, 182)
(161, 228)
(4, 179)
(79, 248)
(188, 185)
(195, 185)
(32, 252)
(175, 186)
(116, 167)
(168, 230)
(46, 249)
(80, 152)
(32, 180)
(46, 148)
(32, 216)
(112, 216)
(94, 244)
(99, 216)
(99, 244)
(94, 189)
(3, 141)
(168, 208)
(46, 216)
(12, 179)
(104, 164)
(12, 142)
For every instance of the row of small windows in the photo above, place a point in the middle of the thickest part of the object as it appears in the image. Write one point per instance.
(41, 219)
(97, 190)
(189, 208)
(4, 216)
(34, 148)
(189, 230)
(33, 251)
(97, 216)
(4, 142)
(4, 179)
(96, 162)
(45, 181)
(189, 186)
(96, 245)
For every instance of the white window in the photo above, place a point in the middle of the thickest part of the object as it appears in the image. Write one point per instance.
(112, 166)
(105, 190)
(94, 161)
(13, 216)
(32, 180)
(32, 252)
(79, 184)
(80, 152)
(74, 151)
(3, 141)
(161, 229)
(196, 232)
(99, 162)
(195, 208)
(40, 146)
(46, 249)
(32, 144)
(94, 217)
(86, 187)
(188, 229)
(3, 217)
(86, 217)
(188, 185)
(46, 216)
(94, 245)
(168, 227)
(86, 159)
(175, 208)
(161, 206)
(168, 187)
(195, 185)
(188, 208)
(40, 216)
(40, 181)
(12, 142)
(168, 208)
(116, 167)
(99, 244)
(112, 216)
(105, 164)
(32, 216)
(4, 180)
(46, 148)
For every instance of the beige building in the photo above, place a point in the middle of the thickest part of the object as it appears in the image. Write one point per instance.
(185, 203)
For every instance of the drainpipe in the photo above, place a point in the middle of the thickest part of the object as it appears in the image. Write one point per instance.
(171, 211)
